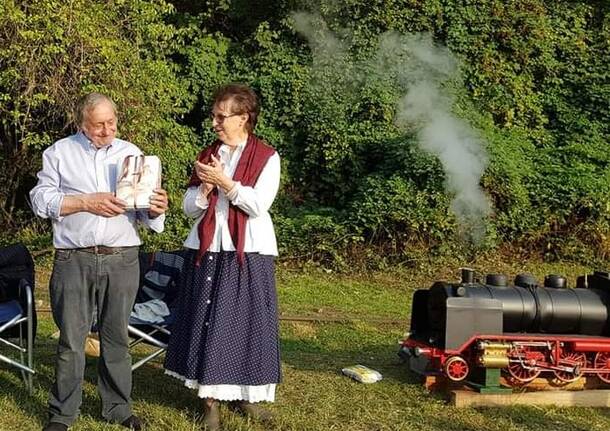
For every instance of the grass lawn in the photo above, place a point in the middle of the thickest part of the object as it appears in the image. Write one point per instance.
(354, 319)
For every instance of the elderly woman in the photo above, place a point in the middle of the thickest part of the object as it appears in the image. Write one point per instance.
(225, 341)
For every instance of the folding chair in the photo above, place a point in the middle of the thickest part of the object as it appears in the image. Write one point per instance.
(17, 311)
(153, 312)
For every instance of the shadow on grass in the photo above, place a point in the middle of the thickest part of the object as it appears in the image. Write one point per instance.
(151, 389)
(430, 410)
(551, 418)
(151, 385)
(12, 383)
(510, 418)
(380, 355)
(44, 364)
(400, 402)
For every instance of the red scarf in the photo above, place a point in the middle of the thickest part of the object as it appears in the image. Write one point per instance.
(251, 163)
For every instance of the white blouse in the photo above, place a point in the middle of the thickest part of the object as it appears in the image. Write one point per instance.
(255, 201)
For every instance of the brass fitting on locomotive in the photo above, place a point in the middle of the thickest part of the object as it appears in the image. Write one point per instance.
(493, 354)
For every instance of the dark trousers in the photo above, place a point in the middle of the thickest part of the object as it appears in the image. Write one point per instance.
(81, 284)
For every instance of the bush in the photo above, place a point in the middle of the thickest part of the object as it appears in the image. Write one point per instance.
(533, 83)
(318, 237)
(395, 210)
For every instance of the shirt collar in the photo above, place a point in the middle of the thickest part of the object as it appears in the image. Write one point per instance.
(225, 148)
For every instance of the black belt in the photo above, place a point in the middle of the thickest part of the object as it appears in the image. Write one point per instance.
(102, 249)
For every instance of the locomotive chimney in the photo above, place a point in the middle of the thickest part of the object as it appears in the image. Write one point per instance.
(525, 280)
(555, 281)
(496, 280)
(467, 276)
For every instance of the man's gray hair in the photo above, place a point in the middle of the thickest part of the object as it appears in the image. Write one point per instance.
(88, 103)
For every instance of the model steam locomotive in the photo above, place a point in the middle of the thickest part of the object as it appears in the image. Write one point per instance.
(526, 330)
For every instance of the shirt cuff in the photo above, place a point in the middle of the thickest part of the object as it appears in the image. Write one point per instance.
(54, 207)
(156, 224)
(234, 192)
(200, 200)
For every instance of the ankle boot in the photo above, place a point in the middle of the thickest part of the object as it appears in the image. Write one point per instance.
(211, 415)
(253, 411)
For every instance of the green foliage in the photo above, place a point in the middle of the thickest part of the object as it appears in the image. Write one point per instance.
(314, 237)
(53, 52)
(394, 209)
(540, 72)
(533, 82)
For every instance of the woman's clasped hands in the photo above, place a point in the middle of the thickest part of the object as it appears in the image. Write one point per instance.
(212, 175)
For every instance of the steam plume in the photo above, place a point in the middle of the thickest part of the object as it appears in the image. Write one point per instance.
(417, 68)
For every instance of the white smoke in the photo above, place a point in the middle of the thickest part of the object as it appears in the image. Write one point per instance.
(418, 68)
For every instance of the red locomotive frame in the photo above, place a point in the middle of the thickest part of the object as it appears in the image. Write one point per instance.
(524, 357)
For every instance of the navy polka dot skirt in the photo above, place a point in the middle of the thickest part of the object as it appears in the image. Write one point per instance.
(226, 325)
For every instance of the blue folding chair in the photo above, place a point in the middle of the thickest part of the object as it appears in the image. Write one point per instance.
(17, 311)
(154, 309)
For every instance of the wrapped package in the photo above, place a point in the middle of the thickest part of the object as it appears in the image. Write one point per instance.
(362, 374)
(92, 345)
(137, 179)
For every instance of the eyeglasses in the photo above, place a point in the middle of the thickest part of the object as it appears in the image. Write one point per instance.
(220, 118)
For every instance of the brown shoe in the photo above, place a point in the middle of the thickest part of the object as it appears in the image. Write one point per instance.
(253, 411)
(133, 423)
(211, 415)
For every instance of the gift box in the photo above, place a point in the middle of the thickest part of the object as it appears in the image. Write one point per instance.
(137, 179)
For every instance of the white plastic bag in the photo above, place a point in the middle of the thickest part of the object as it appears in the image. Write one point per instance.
(362, 374)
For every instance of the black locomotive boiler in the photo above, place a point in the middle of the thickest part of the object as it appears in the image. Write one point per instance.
(524, 329)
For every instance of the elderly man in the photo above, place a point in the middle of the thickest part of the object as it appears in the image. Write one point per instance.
(96, 260)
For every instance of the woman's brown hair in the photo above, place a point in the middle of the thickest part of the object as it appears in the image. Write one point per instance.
(243, 101)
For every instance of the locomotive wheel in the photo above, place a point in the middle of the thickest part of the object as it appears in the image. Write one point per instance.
(521, 374)
(456, 368)
(579, 360)
(602, 362)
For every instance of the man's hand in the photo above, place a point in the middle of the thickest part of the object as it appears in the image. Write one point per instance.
(102, 204)
(158, 203)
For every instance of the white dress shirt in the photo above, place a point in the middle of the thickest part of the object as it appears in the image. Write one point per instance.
(255, 201)
(73, 166)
